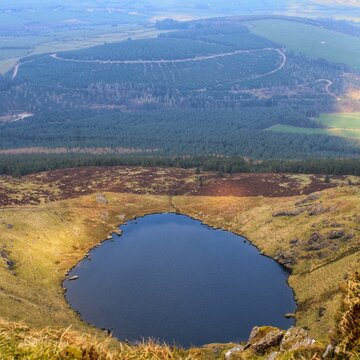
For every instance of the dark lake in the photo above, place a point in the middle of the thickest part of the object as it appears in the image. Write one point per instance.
(172, 278)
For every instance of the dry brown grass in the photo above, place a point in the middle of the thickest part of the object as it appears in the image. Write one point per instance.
(18, 341)
(349, 325)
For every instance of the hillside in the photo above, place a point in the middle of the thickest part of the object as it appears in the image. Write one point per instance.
(203, 87)
(51, 220)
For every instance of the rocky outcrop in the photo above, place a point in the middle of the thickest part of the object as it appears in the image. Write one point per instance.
(271, 343)
(294, 212)
(295, 338)
(317, 209)
(6, 257)
(263, 338)
(286, 258)
(309, 198)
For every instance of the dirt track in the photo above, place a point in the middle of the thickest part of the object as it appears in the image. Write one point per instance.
(164, 61)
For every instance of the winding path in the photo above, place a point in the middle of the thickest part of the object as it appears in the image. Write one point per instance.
(329, 83)
(16, 69)
(194, 59)
(163, 61)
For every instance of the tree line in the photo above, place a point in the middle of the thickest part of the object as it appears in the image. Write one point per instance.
(24, 164)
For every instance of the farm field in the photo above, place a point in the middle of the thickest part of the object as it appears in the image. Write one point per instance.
(12, 48)
(345, 125)
(313, 41)
(349, 121)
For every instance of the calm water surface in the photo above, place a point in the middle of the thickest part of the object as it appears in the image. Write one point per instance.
(171, 278)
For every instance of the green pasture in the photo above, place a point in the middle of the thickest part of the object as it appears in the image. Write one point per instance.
(313, 41)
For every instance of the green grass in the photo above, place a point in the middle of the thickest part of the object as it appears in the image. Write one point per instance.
(298, 130)
(312, 41)
(341, 120)
(345, 125)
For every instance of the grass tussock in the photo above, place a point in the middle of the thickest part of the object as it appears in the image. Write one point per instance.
(17, 341)
(349, 325)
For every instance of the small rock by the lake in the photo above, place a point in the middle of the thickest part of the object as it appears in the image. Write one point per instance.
(289, 316)
(72, 278)
(286, 258)
(118, 231)
(234, 350)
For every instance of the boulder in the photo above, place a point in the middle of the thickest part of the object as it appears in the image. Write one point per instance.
(73, 278)
(290, 316)
(101, 199)
(315, 238)
(317, 210)
(294, 339)
(336, 225)
(104, 215)
(288, 259)
(235, 350)
(329, 352)
(336, 234)
(311, 197)
(273, 355)
(321, 311)
(263, 338)
(294, 212)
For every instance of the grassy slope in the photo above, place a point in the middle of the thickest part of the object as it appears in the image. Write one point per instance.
(339, 124)
(315, 281)
(311, 40)
(341, 120)
(46, 240)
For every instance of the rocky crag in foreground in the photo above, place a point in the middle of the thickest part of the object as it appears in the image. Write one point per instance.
(272, 343)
